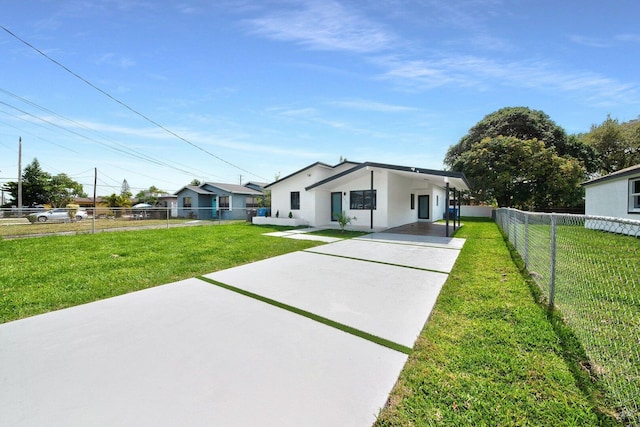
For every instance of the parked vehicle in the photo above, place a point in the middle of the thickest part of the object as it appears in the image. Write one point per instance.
(60, 214)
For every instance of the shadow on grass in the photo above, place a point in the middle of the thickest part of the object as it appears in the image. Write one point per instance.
(572, 350)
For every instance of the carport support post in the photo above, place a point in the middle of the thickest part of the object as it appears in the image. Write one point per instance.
(446, 210)
(372, 199)
(455, 192)
(459, 206)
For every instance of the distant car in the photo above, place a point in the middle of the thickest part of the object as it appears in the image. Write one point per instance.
(60, 214)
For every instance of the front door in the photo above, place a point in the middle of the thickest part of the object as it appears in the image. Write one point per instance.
(336, 205)
(423, 207)
(214, 208)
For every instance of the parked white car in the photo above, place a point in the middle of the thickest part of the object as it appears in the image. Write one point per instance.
(60, 214)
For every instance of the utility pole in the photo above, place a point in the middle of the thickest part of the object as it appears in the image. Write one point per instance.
(20, 176)
(240, 179)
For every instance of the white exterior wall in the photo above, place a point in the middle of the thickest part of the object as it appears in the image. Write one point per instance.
(399, 201)
(363, 216)
(438, 203)
(477, 211)
(609, 198)
(281, 194)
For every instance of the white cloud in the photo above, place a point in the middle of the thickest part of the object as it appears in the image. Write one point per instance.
(115, 60)
(588, 41)
(367, 105)
(629, 37)
(323, 25)
(472, 71)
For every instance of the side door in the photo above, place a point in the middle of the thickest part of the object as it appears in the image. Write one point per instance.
(423, 207)
(336, 205)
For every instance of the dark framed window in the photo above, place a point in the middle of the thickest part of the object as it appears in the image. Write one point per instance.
(634, 195)
(253, 201)
(362, 199)
(223, 203)
(295, 200)
(186, 202)
(413, 201)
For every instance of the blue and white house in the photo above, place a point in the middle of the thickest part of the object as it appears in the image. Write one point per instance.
(214, 200)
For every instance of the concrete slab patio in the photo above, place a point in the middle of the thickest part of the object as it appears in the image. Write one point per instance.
(193, 353)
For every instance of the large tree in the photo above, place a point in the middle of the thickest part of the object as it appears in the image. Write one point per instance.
(150, 195)
(63, 190)
(524, 123)
(617, 144)
(39, 187)
(520, 173)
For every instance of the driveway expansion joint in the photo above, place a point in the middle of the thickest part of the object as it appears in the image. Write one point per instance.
(312, 316)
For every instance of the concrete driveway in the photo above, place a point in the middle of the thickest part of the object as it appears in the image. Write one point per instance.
(288, 341)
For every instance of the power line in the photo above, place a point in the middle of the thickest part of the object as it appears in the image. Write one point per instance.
(127, 106)
(136, 154)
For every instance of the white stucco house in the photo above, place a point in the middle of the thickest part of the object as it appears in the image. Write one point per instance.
(615, 195)
(379, 196)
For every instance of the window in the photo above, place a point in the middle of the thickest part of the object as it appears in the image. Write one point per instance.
(413, 201)
(362, 199)
(223, 203)
(186, 202)
(295, 200)
(253, 201)
(634, 195)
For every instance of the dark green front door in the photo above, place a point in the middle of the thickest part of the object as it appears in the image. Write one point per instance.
(336, 205)
(423, 207)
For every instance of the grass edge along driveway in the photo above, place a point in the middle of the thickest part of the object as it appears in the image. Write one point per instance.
(488, 356)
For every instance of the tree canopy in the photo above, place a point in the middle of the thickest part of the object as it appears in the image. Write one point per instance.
(521, 173)
(524, 123)
(40, 187)
(617, 144)
(521, 158)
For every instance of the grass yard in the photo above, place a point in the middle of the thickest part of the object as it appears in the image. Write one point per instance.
(489, 355)
(12, 229)
(597, 290)
(49, 273)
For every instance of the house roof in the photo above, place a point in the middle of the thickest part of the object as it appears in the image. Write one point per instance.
(233, 188)
(455, 179)
(633, 170)
(194, 188)
(311, 166)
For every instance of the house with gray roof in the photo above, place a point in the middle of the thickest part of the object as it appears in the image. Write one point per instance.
(215, 200)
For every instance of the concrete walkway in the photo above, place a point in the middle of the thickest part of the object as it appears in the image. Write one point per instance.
(288, 341)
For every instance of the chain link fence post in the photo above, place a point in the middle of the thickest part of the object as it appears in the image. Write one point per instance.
(552, 263)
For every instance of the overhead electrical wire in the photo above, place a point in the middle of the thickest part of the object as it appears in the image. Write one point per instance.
(124, 149)
(123, 104)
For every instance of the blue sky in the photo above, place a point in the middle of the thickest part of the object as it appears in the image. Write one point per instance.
(246, 90)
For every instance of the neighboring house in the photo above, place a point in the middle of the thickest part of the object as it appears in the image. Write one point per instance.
(615, 195)
(213, 200)
(380, 196)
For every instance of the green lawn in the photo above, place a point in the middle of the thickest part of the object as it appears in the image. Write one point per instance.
(16, 228)
(42, 274)
(489, 355)
(597, 293)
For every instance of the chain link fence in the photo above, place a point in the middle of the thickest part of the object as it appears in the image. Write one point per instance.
(27, 222)
(589, 268)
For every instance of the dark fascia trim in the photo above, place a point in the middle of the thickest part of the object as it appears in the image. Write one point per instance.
(633, 170)
(308, 167)
(449, 174)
